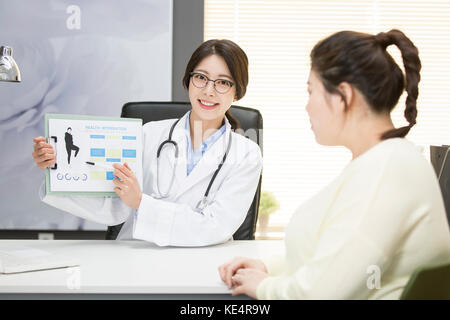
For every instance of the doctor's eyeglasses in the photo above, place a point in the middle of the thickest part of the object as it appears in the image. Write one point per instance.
(200, 80)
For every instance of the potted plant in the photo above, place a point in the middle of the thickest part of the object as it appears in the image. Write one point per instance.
(267, 205)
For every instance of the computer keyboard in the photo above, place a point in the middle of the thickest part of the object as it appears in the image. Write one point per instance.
(14, 260)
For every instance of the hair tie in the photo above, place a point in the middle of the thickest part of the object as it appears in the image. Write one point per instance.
(383, 39)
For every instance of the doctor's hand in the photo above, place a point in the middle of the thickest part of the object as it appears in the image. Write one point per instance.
(44, 156)
(127, 188)
(229, 269)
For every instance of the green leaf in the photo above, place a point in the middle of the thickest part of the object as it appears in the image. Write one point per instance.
(268, 203)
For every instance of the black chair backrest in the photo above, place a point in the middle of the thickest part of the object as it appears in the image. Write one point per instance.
(251, 124)
(430, 282)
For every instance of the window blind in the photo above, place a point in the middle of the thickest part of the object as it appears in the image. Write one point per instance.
(278, 37)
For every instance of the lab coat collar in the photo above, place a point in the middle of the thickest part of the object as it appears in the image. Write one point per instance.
(207, 164)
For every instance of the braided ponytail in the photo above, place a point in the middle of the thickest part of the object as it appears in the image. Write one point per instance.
(411, 61)
(361, 59)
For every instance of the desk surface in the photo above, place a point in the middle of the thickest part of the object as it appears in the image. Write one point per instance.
(133, 267)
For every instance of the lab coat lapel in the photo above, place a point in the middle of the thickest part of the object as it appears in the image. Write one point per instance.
(180, 170)
(168, 163)
(179, 136)
(167, 160)
(207, 164)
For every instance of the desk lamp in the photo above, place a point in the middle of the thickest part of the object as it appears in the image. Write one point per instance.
(9, 71)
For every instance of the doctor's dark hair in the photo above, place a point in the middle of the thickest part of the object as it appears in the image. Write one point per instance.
(237, 63)
(362, 60)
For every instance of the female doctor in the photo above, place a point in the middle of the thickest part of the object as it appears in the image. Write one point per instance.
(200, 177)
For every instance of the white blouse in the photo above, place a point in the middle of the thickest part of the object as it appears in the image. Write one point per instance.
(363, 235)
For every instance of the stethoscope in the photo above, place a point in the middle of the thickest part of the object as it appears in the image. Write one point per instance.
(204, 201)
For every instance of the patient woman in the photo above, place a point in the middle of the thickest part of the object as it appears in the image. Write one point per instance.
(364, 234)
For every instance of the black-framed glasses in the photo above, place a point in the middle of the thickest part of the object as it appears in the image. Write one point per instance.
(200, 80)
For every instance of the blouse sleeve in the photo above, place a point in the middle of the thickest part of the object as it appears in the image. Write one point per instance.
(275, 265)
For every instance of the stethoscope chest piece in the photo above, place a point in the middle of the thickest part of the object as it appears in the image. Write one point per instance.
(202, 204)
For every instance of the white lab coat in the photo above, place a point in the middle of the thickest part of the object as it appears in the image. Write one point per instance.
(174, 220)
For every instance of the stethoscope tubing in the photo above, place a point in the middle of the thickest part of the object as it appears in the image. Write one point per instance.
(202, 203)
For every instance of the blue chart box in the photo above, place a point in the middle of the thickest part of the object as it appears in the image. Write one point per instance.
(97, 152)
(109, 175)
(127, 153)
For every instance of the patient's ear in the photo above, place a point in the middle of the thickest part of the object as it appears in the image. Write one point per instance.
(348, 94)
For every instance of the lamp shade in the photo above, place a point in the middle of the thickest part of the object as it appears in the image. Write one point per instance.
(9, 71)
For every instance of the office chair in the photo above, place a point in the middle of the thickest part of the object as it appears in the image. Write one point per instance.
(428, 283)
(440, 159)
(248, 118)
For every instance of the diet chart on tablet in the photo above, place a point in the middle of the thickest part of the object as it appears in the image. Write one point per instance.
(86, 148)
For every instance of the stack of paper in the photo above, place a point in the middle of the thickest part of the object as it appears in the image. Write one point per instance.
(15, 259)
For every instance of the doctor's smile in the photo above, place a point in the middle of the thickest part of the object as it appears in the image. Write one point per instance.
(207, 104)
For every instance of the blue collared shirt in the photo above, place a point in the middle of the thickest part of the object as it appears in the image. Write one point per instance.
(193, 157)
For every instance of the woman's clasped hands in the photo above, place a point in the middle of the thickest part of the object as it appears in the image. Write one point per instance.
(244, 274)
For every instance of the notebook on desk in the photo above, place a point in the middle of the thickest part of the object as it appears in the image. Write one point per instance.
(15, 259)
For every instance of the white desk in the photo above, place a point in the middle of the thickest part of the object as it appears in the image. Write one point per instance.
(131, 269)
